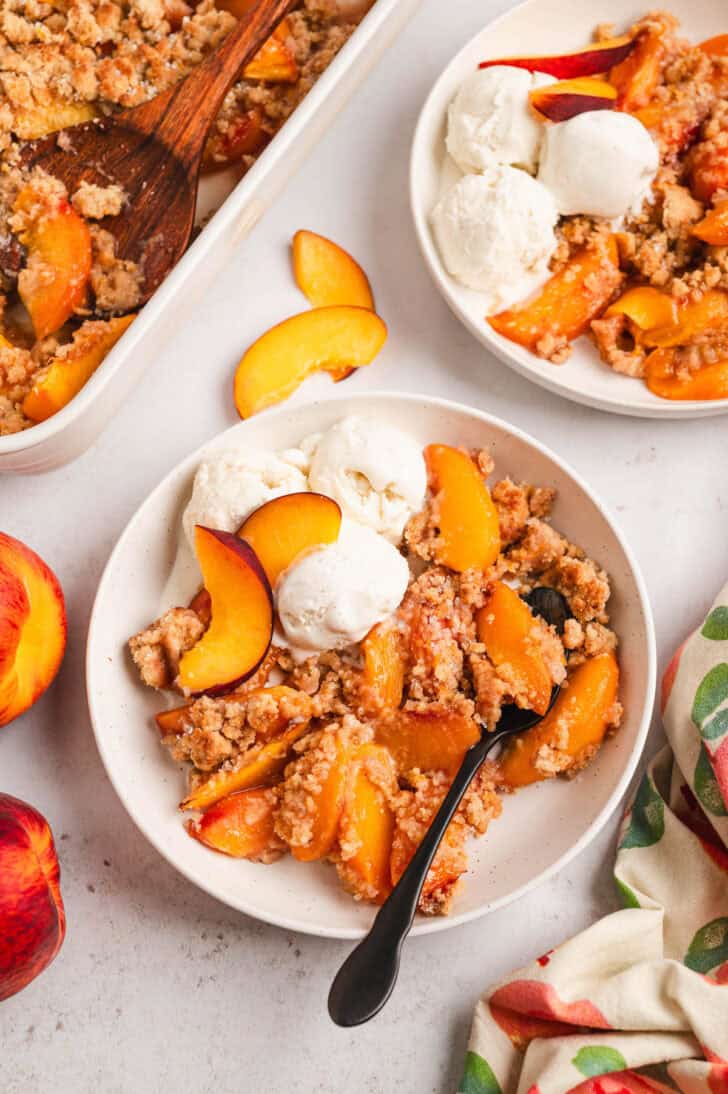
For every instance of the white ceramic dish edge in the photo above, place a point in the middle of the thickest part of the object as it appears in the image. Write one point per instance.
(422, 926)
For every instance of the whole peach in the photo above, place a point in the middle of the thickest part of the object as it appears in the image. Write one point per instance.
(32, 918)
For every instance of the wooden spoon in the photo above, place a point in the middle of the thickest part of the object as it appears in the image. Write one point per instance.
(154, 151)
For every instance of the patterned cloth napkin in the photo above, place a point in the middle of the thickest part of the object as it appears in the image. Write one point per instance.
(638, 1001)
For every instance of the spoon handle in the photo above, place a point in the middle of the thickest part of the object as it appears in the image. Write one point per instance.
(365, 981)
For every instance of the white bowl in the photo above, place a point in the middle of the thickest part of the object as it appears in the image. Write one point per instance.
(542, 26)
(541, 828)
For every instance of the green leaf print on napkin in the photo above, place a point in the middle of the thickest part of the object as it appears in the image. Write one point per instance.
(626, 895)
(598, 1060)
(712, 691)
(647, 818)
(716, 625)
(478, 1077)
(706, 786)
(709, 947)
(716, 727)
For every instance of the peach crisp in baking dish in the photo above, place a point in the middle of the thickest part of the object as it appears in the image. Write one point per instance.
(65, 298)
(364, 613)
(594, 200)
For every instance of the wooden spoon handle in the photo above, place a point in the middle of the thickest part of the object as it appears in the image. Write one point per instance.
(181, 117)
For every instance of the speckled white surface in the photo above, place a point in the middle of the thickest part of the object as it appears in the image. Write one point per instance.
(157, 986)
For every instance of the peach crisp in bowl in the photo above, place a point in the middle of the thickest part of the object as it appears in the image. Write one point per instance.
(309, 621)
(569, 184)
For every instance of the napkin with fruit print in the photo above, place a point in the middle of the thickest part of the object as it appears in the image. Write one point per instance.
(639, 1001)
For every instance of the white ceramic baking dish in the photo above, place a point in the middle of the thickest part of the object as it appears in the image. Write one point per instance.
(68, 433)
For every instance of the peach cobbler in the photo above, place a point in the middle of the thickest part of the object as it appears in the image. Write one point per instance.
(366, 611)
(65, 297)
(593, 199)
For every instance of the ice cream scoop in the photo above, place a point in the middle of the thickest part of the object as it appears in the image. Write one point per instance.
(374, 471)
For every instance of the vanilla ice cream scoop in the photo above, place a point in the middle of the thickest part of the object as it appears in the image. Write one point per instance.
(490, 122)
(335, 594)
(495, 233)
(601, 163)
(374, 471)
(231, 484)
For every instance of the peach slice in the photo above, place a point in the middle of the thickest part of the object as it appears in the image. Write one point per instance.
(384, 666)
(332, 340)
(327, 275)
(259, 766)
(32, 627)
(237, 640)
(72, 367)
(327, 799)
(575, 724)
(283, 528)
(708, 168)
(646, 306)
(40, 120)
(275, 61)
(589, 61)
(569, 300)
(202, 606)
(713, 228)
(448, 865)
(430, 741)
(636, 76)
(715, 47)
(367, 824)
(693, 319)
(171, 722)
(509, 632)
(243, 135)
(241, 826)
(565, 99)
(465, 513)
(709, 382)
(53, 282)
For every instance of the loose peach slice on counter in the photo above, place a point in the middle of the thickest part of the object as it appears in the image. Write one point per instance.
(32, 627)
(565, 99)
(53, 282)
(275, 61)
(328, 802)
(589, 61)
(646, 306)
(67, 373)
(713, 228)
(636, 76)
(575, 725)
(283, 528)
(709, 382)
(240, 632)
(509, 632)
(693, 319)
(431, 741)
(259, 766)
(568, 301)
(327, 274)
(334, 340)
(243, 135)
(384, 666)
(241, 826)
(466, 515)
(367, 828)
(40, 120)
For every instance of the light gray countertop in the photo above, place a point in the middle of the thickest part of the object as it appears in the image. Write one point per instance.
(158, 987)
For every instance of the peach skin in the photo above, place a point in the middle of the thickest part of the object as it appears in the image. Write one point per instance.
(32, 627)
(240, 826)
(566, 98)
(327, 274)
(589, 61)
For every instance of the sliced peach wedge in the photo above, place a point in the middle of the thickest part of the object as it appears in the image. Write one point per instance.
(566, 98)
(708, 382)
(637, 75)
(367, 825)
(713, 228)
(241, 826)
(241, 627)
(327, 796)
(39, 120)
(327, 274)
(465, 513)
(333, 340)
(384, 666)
(275, 61)
(430, 741)
(284, 528)
(589, 61)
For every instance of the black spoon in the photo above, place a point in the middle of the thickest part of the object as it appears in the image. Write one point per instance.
(366, 980)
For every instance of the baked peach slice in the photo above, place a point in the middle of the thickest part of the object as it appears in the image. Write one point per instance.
(569, 300)
(72, 367)
(171, 722)
(53, 283)
(713, 228)
(275, 61)
(466, 516)
(243, 135)
(693, 319)
(334, 340)
(41, 120)
(509, 633)
(636, 76)
(32, 627)
(566, 98)
(327, 801)
(327, 275)
(716, 46)
(384, 666)
(241, 826)
(708, 382)
(448, 865)
(431, 741)
(367, 825)
(589, 61)
(646, 306)
(708, 168)
(284, 528)
(241, 628)
(576, 723)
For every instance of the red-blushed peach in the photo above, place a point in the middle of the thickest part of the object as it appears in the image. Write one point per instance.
(32, 627)
(32, 918)
(589, 61)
